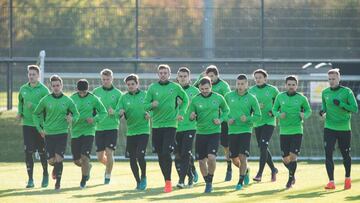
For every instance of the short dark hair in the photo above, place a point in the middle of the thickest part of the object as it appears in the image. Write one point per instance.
(82, 85)
(184, 70)
(205, 80)
(261, 71)
(132, 77)
(291, 77)
(164, 66)
(54, 78)
(34, 67)
(213, 69)
(334, 71)
(106, 72)
(241, 77)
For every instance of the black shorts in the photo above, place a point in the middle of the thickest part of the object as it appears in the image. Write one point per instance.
(224, 137)
(136, 145)
(81, 146)
(239, 144)
(184, 142)
(55, 144)
(343, 137)
(106, 139)
(163, 140)
(33, 140)
(263, 135)
(290, 143)
(206, 144)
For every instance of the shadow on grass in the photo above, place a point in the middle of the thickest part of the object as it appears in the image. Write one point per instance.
(353, 198)
(38, 191)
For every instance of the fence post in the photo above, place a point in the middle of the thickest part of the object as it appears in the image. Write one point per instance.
(136, 35)
(42, 55)
(208, 29)
(9, 75)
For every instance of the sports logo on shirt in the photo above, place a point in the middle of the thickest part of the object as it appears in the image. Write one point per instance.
(171, 91)
(267, 93)
(113, 97)
(246, 100)
(214, 102)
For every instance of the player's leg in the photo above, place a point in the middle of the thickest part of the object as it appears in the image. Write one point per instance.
(201, 142)
(29, 147)
(212, 148)
(178, 145)
(224, 141)
(344, 145)
(131, 150)
(110, 147)
(234, 147)
(185, 153)
(100, 147)
(142, 142)
(294, 152)
(86, 146)
(60, 148)
(40, 146)
(330, 138)
(168, 146)
(285, 142)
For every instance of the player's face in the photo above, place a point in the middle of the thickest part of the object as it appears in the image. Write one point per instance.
(212, 76)
(291, 86)
(183, 78)
(83, 93)
(242, 85)
(132, 85)
(56, 87)
(33, 76)
(106, 80)
(205, 89)
(164, 74)
(259, 79)
(334, 80)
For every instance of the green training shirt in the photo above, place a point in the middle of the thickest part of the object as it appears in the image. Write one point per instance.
(109, 97)
(134, 107)
(240, 105)
(265, 95)
(207, 109)
(55, 109)
(338, 117)
(28, 98)
(221, 87)
(87, 107)
(187, 124)
(165, 114)
(291, 105)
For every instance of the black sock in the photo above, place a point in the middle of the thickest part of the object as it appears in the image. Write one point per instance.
(58, 171)
(241, 179)
(83, 179)
(210, 177)
(206, 178)
(286, 165)
(229, 166)
(134, 168)
(44, 163)
(29, 164)
(142, 164)
(292, 168)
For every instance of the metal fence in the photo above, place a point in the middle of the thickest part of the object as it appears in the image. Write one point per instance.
(134, 36)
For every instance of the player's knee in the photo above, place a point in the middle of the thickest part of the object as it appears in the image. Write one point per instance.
(51, 161)
(77, 162)
(293, 157)
(286, 159)
(58, 158)
(345, 152)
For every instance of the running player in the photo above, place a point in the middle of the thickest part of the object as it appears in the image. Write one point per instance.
(29, 96)
(162, 99)
(185, 134)
(131, 106)
(291, 108)
(264, 128)
(244, 111)
(91, 111)
(60, 114)
(338, 102)
(221, 87)
(107, 130)
(205, 108)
